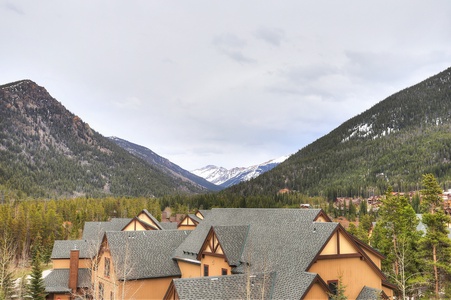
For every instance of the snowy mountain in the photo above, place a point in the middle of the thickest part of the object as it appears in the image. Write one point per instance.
(225, 178)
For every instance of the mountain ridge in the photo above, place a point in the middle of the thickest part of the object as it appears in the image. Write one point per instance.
(163, 163)
(226, 178)
(392, 143)
(47, 151)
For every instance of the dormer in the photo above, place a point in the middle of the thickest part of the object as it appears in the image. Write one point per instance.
(189, 222)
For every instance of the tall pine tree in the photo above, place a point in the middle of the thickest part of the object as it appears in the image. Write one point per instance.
(436, 244)
(396, 236)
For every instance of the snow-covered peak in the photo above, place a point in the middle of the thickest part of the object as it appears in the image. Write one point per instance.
(224, 177)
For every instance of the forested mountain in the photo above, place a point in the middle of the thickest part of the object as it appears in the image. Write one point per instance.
(393, 143)
(164, 164)
(46, 151)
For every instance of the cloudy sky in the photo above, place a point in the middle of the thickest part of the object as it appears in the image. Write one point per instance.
(229, 83)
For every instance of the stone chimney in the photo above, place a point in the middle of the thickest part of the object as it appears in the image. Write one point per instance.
(73, 269)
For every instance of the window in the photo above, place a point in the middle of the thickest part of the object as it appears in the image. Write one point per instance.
(333, 286)
(206, 268)
(111, 295)
(223, 271)
(107, 267)
(101, 290)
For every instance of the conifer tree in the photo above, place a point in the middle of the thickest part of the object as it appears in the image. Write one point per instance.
(436, 244)
(36, 288)
(396, 237)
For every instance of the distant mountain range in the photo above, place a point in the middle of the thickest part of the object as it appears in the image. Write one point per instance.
(393, 143)
(226, 178)
(46, 151)
(164, 164)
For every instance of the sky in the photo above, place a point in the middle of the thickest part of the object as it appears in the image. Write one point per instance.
(225, 83)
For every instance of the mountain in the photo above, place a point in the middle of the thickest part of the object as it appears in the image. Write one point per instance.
(46, 151)
(393, 143)
(163, 164)
(226, 178)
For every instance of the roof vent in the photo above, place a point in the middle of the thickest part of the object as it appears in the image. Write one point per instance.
(214, 279)
(314, 229)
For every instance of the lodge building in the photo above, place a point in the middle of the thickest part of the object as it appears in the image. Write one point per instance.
(223, 253)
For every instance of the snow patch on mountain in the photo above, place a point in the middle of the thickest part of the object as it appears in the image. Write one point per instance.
(225, 178)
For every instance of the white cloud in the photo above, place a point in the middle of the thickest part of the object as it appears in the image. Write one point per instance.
(228, 83)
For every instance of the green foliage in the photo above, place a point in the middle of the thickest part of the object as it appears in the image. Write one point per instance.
(46, 151)
(36, 288)
(396, 236)
(435, 243)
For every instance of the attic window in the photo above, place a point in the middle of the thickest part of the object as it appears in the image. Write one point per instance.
(206, 270)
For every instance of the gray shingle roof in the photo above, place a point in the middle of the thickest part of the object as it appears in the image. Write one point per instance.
(195, 218)
(168, 225)
(58, 280)
(96, 230)
(232, 240)
(368, 293)
(61, 249)
(145, 254)
(204, 212)
(281, 240)
(241, 286)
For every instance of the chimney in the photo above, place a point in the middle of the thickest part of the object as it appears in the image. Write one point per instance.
(73, 269)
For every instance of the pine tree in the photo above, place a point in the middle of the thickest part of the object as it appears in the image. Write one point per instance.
(396, 237)
(436, 244)
(36, 288)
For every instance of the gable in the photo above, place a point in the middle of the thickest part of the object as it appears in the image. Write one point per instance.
(137, 225)
(146, 218)
(187, 221)
(340, 244)
(211, 245)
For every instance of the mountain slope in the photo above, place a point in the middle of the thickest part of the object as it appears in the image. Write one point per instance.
(393, 143)
(163, 164)
(46, 151)
(225, 178)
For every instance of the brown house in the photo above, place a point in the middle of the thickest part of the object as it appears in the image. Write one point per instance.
(229, 254)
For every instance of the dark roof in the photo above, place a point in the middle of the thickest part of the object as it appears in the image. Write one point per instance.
(204, 212)
(368, 293)
(195, 218)
(145, 254)
(96, 230)
(57, 281)
(168, 225)
(61, 249)
(241, 286)
(281, 240)
(232, 240)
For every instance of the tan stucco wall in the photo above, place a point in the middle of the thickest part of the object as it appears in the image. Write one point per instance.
(189, 270)
(186, 227)
(147, 289)
(134, 226)
(331, 247)
(346, 247)
(377, 261)
(355, 274)
(65, 263)
(146, 219)
(215, 265)
(316, 292)
(388, 291)
(320, 219)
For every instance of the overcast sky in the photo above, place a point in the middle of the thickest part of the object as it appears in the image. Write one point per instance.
(228, 83)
